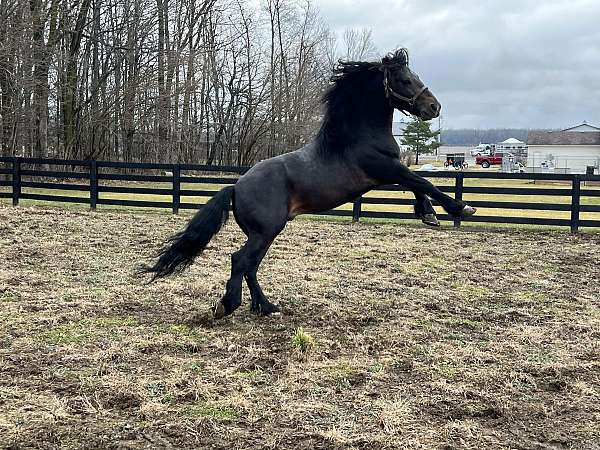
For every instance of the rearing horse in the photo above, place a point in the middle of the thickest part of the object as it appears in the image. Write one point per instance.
(353, 152)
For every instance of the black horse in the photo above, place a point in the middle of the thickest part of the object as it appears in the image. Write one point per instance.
(353, 153)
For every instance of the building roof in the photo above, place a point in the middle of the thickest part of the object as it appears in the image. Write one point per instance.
(585, 127)
(563, 138)
(512, 141)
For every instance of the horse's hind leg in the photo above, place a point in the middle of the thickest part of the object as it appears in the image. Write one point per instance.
(260, 304)
(241, 262)
(260, 208)
(233, 291)
(244, 263)
(261, 222)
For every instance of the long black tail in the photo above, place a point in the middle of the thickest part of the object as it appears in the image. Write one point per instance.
(182, 248)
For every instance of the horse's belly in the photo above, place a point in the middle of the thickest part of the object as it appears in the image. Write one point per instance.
(318, 203)
(317, 186)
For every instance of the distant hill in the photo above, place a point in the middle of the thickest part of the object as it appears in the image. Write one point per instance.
(474, 137)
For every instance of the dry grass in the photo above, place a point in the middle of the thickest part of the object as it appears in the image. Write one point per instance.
(424, 339)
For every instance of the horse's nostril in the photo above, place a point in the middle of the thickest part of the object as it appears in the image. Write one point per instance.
(435, 107)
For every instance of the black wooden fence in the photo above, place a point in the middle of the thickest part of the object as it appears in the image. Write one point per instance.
(22, 173)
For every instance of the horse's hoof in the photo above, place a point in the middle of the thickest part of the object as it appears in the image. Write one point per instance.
(219, 311)
(467, 211)
(266, 309)
(430, 219)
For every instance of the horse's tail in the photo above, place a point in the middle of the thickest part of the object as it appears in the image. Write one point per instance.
(182, 248)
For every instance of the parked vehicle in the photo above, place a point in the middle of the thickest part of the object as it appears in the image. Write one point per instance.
(479, 152)
(495, 159)
(482, 149)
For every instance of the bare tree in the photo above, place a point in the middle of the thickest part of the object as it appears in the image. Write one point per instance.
(215, 81)
(8, 62)
(358, 44)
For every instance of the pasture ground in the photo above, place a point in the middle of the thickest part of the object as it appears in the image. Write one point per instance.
(429, 339)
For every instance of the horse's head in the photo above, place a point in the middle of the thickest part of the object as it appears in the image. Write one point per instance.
(404, 89)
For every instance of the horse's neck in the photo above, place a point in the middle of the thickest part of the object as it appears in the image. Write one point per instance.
(376, 115)
(376, 124)
(364, 122)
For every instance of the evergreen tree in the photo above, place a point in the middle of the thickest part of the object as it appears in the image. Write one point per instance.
(420, 138)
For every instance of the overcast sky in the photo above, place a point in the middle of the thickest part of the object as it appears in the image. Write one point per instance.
(504, 63)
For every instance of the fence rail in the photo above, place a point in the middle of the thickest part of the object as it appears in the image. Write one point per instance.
(22, 171)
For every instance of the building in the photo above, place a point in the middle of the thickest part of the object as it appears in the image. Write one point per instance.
(511, 144)
(514, 146)
(571, 150)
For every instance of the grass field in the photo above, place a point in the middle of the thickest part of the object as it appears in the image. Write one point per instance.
(391, 337)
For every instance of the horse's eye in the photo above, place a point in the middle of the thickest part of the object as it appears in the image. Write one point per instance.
(406, 82)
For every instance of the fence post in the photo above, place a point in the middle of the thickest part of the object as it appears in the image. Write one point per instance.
(16, 180)
(176, 188)
(575, 203)
(356, 209)
(93, 184)
(458, 192)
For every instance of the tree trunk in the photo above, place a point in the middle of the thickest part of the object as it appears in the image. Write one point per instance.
(69, 97)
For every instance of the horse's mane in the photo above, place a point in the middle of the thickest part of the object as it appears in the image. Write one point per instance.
(345, 69)
(342, 96)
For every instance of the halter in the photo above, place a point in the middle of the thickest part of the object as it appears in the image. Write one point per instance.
(390, 92)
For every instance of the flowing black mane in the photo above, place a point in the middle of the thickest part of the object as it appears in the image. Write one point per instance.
(347, 83)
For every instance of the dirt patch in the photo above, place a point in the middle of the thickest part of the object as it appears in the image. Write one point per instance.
(420, 339)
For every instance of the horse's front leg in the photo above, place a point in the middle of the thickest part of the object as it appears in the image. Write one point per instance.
(390, 170)
(424, 210)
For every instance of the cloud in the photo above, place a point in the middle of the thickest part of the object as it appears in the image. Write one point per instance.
(512, 63)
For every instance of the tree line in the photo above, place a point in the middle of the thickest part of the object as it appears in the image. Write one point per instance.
(202, 81)
(469, 136)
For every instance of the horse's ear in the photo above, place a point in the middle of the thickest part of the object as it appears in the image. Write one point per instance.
(400, 56)
(388, 59)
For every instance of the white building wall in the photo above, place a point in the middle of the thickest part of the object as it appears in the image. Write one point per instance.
(573, 157)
